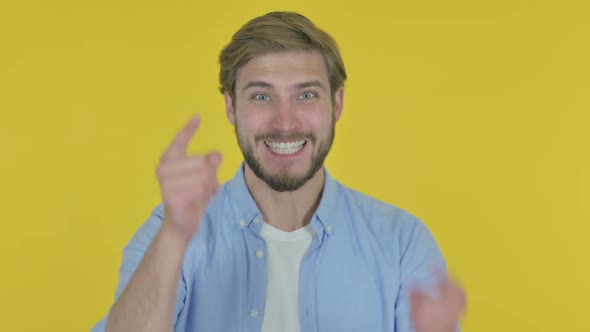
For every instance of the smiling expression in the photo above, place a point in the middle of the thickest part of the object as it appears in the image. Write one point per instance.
(284, 116)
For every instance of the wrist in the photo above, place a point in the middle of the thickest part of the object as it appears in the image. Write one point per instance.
(174, 238)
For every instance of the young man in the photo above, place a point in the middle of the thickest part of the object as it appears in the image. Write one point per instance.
(282, 246)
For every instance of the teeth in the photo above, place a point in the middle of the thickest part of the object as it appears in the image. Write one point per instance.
(285, 147)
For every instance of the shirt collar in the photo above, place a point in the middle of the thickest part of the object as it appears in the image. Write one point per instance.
(245, 207)
(328, 207)
(242, 201)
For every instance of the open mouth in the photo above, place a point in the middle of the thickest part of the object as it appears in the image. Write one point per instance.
(285, 148)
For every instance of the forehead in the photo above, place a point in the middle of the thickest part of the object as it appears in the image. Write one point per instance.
(284, 68)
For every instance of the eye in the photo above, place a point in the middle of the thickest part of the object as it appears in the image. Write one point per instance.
(308, 95)
(260, 97)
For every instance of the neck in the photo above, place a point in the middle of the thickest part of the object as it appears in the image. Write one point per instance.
(286, 211)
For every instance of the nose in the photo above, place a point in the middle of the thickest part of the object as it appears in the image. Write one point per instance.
(285, 118)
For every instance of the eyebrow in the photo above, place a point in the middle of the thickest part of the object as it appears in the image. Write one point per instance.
(262, 84)
(311, 83)
(259, 84)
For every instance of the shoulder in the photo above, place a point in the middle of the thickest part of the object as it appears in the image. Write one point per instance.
(376, 211)
(387, 222)
(144, 235)
(148, 230)
(393, 228)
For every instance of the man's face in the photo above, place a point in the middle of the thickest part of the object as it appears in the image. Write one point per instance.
(284, 116)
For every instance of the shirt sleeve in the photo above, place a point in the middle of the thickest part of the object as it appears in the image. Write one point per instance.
(133, 254)
(421, 259)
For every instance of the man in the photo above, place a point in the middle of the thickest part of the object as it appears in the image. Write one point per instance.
(282, 246)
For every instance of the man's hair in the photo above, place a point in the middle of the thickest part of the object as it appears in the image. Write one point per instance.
(278, 32)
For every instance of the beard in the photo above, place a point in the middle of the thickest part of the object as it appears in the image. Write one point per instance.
(283, 182)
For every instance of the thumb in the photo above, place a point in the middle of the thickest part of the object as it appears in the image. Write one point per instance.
(214, 159)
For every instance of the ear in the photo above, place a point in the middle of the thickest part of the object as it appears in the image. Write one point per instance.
(229, 108)
(338, 103)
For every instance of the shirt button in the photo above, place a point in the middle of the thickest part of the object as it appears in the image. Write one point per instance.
(257, 220)
(242, 223)
(329, 229)
(259, 253)
(254, 313)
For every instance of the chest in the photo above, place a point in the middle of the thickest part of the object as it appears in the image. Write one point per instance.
(342, 286)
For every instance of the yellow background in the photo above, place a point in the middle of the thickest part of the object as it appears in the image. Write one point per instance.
(473, 115)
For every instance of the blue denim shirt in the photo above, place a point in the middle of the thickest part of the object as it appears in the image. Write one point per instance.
(354, 277)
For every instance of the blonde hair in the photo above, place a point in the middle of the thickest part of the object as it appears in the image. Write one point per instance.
(278, 32)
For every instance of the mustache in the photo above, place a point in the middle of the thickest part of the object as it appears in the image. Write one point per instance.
(278, 136)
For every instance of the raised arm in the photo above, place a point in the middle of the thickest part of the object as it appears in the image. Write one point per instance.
(187, 184)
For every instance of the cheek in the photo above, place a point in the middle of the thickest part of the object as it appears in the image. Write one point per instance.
(247, 130)
(324, 125)
(252, 117)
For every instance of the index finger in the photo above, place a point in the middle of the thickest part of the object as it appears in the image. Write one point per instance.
(179, 144)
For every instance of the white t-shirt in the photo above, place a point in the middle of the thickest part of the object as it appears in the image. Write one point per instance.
(285, 251)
